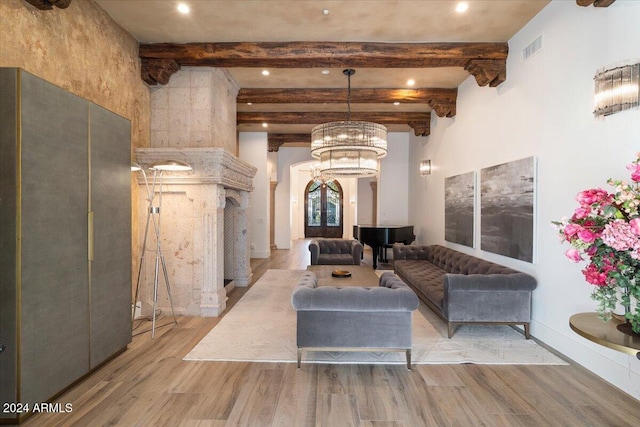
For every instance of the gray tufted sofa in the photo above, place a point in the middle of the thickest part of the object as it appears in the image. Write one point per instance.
(354, 317)
(335, 252)
(461, 288)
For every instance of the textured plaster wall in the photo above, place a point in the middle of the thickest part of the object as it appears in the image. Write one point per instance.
(82, 50)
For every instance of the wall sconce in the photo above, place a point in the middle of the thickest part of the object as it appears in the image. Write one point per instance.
(425, 167)
(617, 89)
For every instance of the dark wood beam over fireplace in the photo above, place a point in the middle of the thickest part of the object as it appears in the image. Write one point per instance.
(443, 101)
(419, 122)
(485, 61)
(276, 140)
(48, 4)
(596, 3)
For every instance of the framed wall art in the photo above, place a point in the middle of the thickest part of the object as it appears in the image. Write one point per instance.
(459, 209)
(507, 206)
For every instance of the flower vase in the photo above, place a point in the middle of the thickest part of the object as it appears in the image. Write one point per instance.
(625, 327)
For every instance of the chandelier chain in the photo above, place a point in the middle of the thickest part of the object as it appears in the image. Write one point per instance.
(349, 73)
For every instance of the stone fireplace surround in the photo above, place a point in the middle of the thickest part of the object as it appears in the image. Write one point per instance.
(193, 228)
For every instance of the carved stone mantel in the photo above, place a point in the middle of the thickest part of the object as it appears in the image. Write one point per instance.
(210, 166)
(193, 231)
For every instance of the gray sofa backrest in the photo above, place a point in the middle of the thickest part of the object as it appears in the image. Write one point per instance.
(337, 246)
(456, 262)
(391, 295)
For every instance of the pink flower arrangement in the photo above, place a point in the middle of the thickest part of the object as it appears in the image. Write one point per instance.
(604, 230)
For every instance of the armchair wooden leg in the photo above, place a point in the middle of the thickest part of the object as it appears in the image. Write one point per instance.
(409, 359)
(527, 335)
(299, 356)
(450, 329)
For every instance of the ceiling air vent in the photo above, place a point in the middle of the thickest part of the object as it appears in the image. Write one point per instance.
(533, 48)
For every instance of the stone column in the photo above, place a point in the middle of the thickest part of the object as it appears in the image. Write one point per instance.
(242, 268)
(213, 297)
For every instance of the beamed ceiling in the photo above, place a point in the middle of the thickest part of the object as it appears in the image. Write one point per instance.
(387, 42)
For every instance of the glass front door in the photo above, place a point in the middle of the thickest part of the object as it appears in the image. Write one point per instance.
(323, 209)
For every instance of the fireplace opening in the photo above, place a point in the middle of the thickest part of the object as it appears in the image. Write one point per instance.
(230, 212)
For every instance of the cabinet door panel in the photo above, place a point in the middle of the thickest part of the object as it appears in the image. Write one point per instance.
(111, 206)
(8, 187)
(54, 293)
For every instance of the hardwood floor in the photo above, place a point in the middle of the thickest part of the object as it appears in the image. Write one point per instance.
(150, 385)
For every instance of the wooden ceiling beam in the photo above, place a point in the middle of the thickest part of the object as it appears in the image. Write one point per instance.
(443, 101)
(325, 54)
(419, 122)
(276, 140)
(477, 58)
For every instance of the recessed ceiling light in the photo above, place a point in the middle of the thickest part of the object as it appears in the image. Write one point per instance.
(396, 103)
(265, 72)
(325, 72)
(264, 125)
(462, 7)
(249, 103)
(325, 12)
(183, 8)
(411, 82)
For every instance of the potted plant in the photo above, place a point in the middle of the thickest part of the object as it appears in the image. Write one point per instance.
(604, 231)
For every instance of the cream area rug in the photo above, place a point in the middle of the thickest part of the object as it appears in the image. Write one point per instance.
(261, 327)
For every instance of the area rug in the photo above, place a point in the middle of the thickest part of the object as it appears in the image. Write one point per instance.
(261, 327)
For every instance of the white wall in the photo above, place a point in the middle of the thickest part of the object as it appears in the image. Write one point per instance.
(544, 109)
(365, 201)
(284, 199)
(253, 150)
(393, 199)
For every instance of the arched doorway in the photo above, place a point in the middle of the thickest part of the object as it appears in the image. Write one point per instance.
(323, 211)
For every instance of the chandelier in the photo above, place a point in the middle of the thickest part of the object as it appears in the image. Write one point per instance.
(316, 174)
(349, 148)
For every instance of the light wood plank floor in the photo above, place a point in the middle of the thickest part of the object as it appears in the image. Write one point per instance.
(150, 385)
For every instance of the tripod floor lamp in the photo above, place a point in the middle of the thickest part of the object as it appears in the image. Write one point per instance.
(153, 217)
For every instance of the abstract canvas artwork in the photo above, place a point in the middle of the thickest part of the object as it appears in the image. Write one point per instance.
(507, 203)
(459, 208)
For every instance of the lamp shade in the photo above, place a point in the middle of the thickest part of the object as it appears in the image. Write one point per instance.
(170, 165)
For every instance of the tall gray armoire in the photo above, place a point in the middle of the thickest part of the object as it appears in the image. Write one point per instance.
(65, 238)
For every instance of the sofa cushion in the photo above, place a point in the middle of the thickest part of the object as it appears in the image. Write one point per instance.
(425, 277)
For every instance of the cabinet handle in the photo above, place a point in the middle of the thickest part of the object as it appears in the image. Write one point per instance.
(2, 347)
(90, 235)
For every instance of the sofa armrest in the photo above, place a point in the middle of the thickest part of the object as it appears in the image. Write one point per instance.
(410, 252)
(489, 282)
(488, 297)
(356, 251)
(314, 248)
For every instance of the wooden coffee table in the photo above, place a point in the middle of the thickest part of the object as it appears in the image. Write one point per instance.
(361, 275)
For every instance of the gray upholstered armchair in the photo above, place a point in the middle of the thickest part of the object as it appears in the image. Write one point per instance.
(354, 318)
(335, 252)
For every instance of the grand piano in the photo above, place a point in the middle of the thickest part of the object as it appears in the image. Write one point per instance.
(379, 237)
